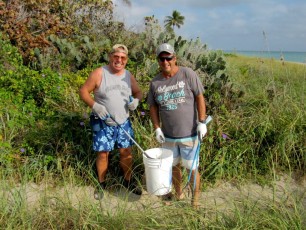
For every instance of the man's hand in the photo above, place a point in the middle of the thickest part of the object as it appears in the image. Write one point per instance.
(201, 130)
(133, 103)
(159, 135)
(100, 110)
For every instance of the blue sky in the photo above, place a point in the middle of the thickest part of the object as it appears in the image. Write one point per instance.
(263, 25)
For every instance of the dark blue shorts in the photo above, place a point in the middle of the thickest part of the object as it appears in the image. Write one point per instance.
(110, 137)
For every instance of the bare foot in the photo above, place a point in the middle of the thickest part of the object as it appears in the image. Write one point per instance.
(180, 197)
(167, 198)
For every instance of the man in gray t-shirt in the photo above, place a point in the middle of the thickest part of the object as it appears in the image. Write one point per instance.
(178, 113)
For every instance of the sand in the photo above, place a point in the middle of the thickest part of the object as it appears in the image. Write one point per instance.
(221, 197)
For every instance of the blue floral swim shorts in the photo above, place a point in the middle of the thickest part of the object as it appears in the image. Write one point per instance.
(110, 137)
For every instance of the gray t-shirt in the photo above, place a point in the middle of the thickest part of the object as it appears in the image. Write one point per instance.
(113, 93)
(175, 98)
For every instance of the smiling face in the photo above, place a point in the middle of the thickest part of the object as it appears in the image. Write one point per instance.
(117, 61)
(167, 63)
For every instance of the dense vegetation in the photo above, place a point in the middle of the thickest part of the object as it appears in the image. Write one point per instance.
(44, 64)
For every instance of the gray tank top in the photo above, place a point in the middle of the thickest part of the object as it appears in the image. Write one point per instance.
(113, 93)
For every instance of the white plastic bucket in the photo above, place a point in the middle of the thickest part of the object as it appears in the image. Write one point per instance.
(158, 170)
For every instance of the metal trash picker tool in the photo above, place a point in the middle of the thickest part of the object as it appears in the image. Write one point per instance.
(144, 152)
(195, 159)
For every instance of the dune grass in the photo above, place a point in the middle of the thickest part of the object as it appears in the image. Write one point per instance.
(265, 131)
(54, 205)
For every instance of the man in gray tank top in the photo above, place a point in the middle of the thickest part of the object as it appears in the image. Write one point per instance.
(178, 113)
(116, 92)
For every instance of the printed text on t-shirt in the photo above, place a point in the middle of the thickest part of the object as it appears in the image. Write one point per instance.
(170, 96)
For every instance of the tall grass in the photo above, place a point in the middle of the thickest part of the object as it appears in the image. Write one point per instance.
(265, 131)
(67, 203)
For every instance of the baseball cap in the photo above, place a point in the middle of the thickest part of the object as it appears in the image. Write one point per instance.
(165, 48)
(119, 48)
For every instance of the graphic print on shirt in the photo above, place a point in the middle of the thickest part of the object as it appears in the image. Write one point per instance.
(122, 88)
(170, 96)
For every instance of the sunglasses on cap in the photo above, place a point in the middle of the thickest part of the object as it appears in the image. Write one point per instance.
(162, 59)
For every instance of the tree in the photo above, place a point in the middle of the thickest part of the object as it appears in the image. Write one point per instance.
(175, 20)
(30, 26)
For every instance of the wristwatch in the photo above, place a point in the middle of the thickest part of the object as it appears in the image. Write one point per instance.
(207, 120)
(203, 121)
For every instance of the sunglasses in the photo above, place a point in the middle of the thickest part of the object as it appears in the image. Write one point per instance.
(162, 59)
(123, 58)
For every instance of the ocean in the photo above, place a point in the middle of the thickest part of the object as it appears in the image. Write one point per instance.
(287, 55)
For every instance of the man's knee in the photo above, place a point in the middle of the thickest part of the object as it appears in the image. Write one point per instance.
(125, 152)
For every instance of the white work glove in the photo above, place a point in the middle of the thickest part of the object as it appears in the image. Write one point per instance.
(110, 122)
(201, 130)
(159, 135)
(133, 103)
(100, 110)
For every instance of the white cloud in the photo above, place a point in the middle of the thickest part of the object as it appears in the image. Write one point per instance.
(239, 23)
(228, 24)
